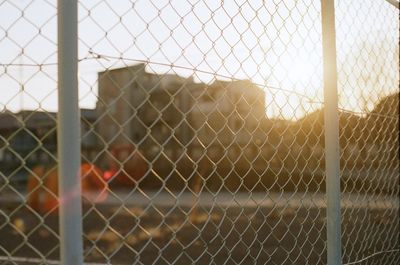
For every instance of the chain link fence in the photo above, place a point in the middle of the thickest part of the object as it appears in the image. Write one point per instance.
(202, 132)
(369, 143)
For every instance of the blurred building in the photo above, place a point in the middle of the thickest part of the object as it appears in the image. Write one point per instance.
(181, 126)
(179, 118)
(29, 138)
(184, 128)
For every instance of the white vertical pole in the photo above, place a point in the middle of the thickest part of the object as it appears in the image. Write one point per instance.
(394, 3)
(68, 132)
(332, 155)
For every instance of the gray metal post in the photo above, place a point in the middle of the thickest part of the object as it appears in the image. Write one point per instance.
(332, 155)
(68, 132)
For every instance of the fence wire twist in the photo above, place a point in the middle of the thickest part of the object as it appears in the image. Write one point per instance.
(202, 132)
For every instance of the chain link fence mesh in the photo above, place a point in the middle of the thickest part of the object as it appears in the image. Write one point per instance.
(368, 51)
(202, 132)
(27, 132)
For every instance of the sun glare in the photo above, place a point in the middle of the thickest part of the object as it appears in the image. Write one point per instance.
(300, 72)
(301, 80)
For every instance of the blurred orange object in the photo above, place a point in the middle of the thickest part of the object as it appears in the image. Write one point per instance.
(42, 189)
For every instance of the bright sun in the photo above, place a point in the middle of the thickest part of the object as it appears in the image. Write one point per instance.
(301, 72)
(302, 76)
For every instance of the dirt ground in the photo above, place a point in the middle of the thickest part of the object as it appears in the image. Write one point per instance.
(207, 235)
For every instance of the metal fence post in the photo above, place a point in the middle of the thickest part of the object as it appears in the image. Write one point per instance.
(331, 124)
(68, 132)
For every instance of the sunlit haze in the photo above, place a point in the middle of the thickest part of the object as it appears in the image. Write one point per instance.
(276, 46)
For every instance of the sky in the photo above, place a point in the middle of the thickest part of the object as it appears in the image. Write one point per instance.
(274, 43)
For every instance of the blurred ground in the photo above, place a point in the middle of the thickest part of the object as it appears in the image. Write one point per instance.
(242, 228)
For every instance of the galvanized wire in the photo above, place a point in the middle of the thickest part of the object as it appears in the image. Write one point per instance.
(369, 140)
(202, 138)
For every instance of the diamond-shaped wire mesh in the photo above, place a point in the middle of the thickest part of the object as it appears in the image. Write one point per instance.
(202, 132)
(27, 129)
(368, 79)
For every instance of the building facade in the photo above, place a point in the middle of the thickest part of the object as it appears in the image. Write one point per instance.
(173, 120)
(29, 138)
